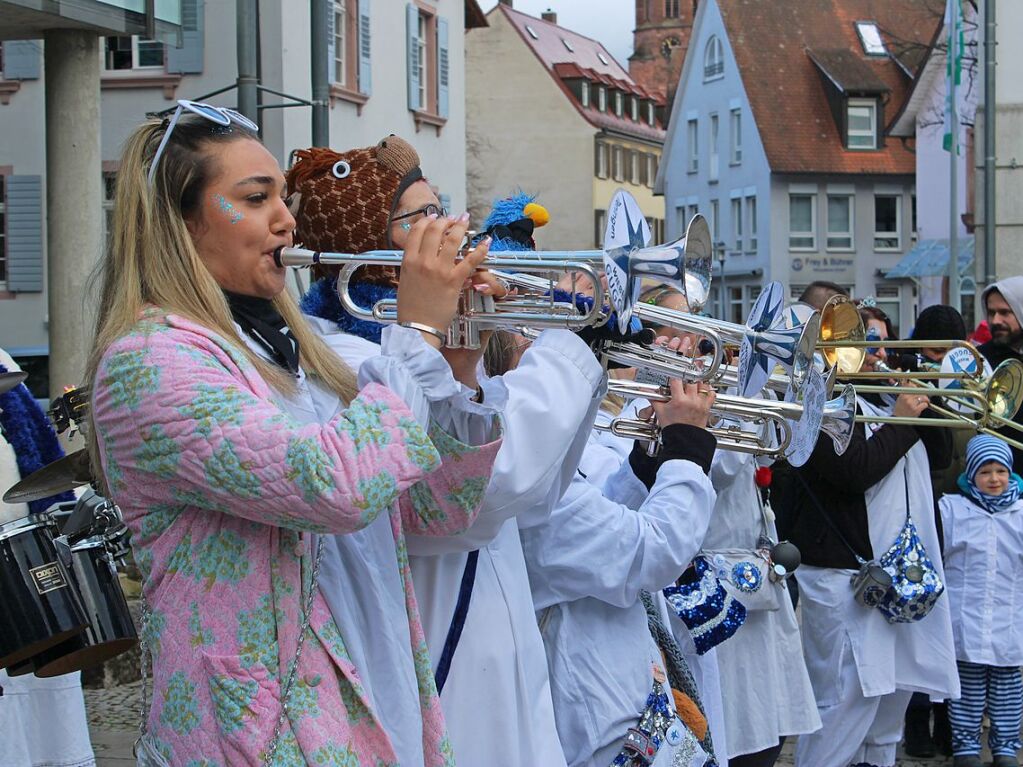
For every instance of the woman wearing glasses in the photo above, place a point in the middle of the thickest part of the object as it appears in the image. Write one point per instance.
(201, 369)
(473, 588)
(847, 510)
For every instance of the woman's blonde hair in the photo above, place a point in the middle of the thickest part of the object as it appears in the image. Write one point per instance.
(151, 258)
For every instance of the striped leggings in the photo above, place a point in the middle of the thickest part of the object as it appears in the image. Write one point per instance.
(1001, 690)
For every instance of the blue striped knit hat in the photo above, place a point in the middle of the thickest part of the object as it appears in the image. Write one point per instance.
(984, 449)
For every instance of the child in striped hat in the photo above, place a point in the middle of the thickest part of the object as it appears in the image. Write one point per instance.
(983, 531)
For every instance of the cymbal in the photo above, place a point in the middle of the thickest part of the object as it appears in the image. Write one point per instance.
(9, 380)
(62, 475)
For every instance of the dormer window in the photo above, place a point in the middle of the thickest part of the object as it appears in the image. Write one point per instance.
(650, 112)
(861, 124)
(602, 98)
(584, 94)
(619, 103)
(635, 109)
(713, 60)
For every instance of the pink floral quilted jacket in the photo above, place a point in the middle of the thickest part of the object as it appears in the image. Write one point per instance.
(219, 486)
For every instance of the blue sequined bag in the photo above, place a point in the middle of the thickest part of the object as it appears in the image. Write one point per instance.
(916, 584)
(710, 613)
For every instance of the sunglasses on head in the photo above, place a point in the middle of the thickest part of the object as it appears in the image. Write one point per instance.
(222, 116)
(426, 210)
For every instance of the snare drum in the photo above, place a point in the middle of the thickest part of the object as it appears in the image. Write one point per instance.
(112, 630)
(39, 606)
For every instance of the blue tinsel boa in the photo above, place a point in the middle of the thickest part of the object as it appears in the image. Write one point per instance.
(30, 433)
(321, 301)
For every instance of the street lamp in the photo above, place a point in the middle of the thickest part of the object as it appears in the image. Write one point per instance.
(719, 250)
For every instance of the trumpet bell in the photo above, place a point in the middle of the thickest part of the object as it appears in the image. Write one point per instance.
(808, 426)
(768, 341)
(841, 322)
(684, 264)
(840, 418)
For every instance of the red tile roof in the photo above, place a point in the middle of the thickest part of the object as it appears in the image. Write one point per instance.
(587, 59)
(771, 41)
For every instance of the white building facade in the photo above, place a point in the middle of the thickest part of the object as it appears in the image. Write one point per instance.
(395, 67)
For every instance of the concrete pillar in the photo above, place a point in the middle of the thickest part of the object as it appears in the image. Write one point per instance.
(74, 199)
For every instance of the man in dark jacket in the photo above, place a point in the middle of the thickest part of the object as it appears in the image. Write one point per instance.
(1003, 304)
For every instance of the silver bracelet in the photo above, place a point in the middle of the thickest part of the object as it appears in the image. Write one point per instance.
(438, 334)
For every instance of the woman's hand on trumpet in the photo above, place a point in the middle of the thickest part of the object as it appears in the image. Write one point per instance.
(690, 404)
(465, 362)
(431, 276)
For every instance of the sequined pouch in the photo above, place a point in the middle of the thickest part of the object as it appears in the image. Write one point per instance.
(710, 613)
(916, 584)
(660, 738)
(743, 573)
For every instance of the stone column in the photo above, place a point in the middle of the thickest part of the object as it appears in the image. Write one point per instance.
(74, 198)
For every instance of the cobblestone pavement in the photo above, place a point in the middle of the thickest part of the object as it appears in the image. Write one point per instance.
(113, 715)
(113, 721)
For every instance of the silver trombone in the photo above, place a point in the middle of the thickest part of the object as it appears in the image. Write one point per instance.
(536, 308)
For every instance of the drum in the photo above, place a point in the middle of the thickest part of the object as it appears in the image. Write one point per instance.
(39, 606)
(111, 630)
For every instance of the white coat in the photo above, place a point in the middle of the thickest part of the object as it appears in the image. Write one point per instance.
(587, 564)
(771, 697)
(497, 700)
(916, 657)
(984, 580)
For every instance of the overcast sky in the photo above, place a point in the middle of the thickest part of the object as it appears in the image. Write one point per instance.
(609, 21)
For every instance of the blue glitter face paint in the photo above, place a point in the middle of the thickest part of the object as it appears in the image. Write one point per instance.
(228, 208)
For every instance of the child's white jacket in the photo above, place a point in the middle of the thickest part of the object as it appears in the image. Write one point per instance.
(983, 557)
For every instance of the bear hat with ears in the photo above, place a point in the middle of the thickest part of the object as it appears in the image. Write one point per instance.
(343, 201)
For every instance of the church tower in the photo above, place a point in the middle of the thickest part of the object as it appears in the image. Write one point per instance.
(660, 41)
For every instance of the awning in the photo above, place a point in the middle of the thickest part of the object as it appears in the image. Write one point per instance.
(929, 258)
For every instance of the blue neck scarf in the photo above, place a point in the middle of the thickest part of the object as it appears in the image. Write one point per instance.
(991, 503)
(30, 433)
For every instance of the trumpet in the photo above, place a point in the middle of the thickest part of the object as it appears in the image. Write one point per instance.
(796, 424)
(535, 307)
(763, 341)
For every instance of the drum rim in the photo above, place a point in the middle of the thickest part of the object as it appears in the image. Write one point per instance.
(24, 524)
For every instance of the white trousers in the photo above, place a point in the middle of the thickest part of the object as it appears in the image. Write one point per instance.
(856, 730)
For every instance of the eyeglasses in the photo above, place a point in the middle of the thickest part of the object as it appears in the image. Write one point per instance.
(222, 116)
(426, 210)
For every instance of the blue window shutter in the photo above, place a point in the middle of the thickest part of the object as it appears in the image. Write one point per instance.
(365, 76)
(24, 234)
(188, 59)
(442, 67)
(22, 59)
(411, 45)
(330, 42)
